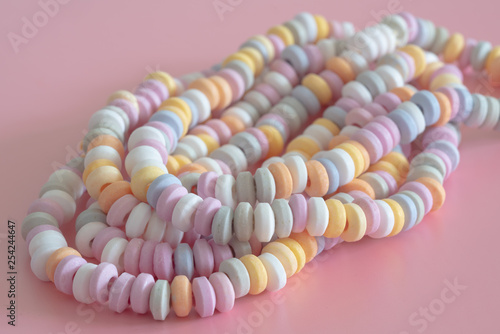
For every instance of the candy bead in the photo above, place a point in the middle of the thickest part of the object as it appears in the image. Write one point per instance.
(284, 255)
(222, 225)
(140, 293)
(283, 218)
(65, 272)
(114, 251)
(308, 243)
(245, 188)
(355, 223)
(238, 275)
(224, 291)
(398, 214)
(159, 300)
(81, 283)
(264, 222)
(453, 47)
(162, 261)
(183, 260)
(183, 214)
(317, 220)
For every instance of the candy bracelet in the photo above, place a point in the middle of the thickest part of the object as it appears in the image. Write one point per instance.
(287, 255)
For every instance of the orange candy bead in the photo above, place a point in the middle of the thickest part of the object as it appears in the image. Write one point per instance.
(112, 193)
(317, 179)
(282, 179)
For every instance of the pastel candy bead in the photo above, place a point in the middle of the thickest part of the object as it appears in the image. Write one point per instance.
(283, 218)
(222, 225)
(371, 142)
(356, 223)
(81, 283)
(224, 291)
(244, 221)
(138, 220)
(225, 190)
(336, 218)
(372, 213)
(183, 260)
(387, 220)
(205, 214)
(238, 275)
(65, 271)
(317, 220)
(264, 222)
(203, 257)
(119, 293)
(158, 185)
(264, 185)
(308, 244)
(245, 188)
(276, 275)
(163, 267)
(159, 300)
(409, 209)
(146, 259)
(284, 255)
(298, 205)
(436, 189)
(46, 238)
(168, 199)
(357, 91)
(184, 212)
(103, 238)
(140, 293)
(406, 125)
(99, 281)
(114, 251)
(429, 105)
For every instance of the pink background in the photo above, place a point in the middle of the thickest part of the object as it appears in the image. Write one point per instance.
(91, 48)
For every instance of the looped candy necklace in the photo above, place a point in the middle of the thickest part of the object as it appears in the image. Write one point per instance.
(205, 188)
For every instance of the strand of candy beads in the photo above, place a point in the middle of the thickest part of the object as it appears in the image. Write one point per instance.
(356, 146)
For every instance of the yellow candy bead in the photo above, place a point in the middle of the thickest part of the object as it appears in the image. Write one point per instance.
(297, 250)
(308, 244)
(284, 255)
(173, 166)
(453, 48)
(94, 165)
(242, 57)
(425, 78)
(399, 216)
(142, 179)
(126, 95)
(257, 273)
(364, 153)
(329, 125)
(357, 157)
(256, 57)
(386, 167)
(356, 223)
(178, 103)
(267, 44)
(274, 138)
(319, 87)
(323, 27)
(282, 32)
(305, 145)
(209, 141)
(337, 218)
(399, 161)
(100, 178)
(418, 56)
(443, 80)
(181, 160)
(164, 78)
(494, 53)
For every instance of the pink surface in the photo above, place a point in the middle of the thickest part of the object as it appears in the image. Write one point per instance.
(91, 48)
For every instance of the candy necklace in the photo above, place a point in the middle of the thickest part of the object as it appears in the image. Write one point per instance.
(233, 268)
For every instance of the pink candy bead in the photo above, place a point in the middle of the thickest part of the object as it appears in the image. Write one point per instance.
(65, 271)
(204, 297)
(119, 294)
(48, 206)
(163, 266)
